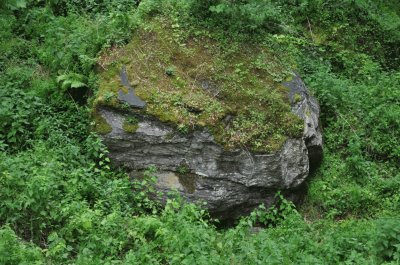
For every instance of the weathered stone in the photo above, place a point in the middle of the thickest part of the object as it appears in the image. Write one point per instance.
(307, 108)
(232, 182)
(130, 98)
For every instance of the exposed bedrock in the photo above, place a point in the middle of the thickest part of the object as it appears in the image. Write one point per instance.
(232, 182)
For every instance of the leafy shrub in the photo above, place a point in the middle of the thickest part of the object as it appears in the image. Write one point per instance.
(14, 251)
(332, 23)
(388, 239)
(13, 4)
(249, 15)
(19, 111)
(233, 16)
(274, 215)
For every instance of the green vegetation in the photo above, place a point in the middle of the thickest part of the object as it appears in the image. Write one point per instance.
(61, 202)
(190, 80)
(130, 124)
(100, 124)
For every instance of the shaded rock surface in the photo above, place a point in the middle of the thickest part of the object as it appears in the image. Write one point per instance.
(232, 182)
(307, 108)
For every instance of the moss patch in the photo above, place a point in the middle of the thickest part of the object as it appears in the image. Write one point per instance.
(130, 125)
(235, 92)
(100, 124)
(297, 98)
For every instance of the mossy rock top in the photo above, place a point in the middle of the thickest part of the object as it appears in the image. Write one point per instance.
(193, 81)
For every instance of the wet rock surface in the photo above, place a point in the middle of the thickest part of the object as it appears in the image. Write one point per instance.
(232, 182)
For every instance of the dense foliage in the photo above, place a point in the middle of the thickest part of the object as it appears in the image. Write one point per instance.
(62, 203)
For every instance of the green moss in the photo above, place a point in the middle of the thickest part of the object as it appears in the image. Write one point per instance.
(130, 125)
(100, 124)
(308, 112)
(297, 98)
(289, 78)
(235, 92)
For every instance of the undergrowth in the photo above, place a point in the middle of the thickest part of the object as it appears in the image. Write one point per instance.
(61, 201)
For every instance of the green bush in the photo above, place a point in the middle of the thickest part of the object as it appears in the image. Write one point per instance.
(388, 239)
(19, 109)
(14, 251)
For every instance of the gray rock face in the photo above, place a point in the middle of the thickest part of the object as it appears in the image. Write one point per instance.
(130, 98)
(307, 108)
(231, 182)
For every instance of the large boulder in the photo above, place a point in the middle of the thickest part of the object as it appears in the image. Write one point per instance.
(231, 181)
(226, 124)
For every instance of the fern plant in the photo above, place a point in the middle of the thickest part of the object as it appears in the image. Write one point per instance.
(13, 4)
(72, 80)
